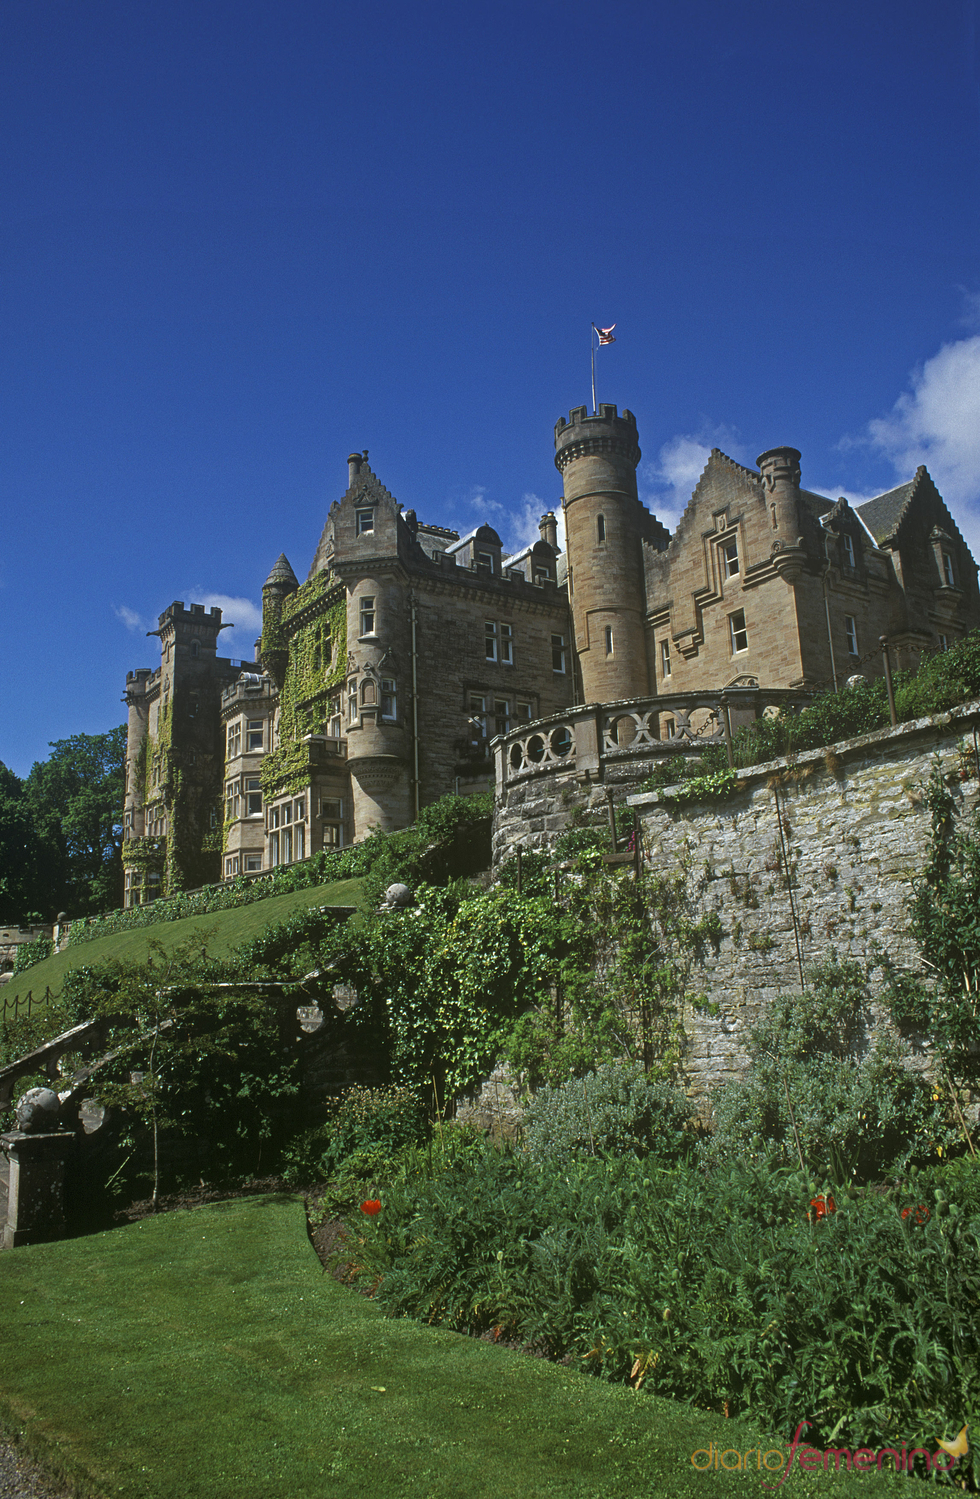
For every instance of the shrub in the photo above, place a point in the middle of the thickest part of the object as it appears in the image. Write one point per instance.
(818, 1086)
(714, 1289)
(365, 1127)
(615, 1110)
(30, 953)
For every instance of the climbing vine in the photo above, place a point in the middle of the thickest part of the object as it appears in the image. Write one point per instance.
(315, 667)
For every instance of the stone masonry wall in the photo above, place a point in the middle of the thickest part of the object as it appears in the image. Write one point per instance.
(855, 827)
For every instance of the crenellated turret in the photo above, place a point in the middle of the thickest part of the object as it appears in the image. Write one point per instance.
(605, 525)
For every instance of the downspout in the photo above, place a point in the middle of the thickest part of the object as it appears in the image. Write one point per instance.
(415, 711)
(826, 608)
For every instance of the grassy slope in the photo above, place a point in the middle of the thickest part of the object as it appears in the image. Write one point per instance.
(206, 1355)
(232, 928)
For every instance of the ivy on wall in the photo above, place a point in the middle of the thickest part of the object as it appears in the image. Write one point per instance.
(315, 668)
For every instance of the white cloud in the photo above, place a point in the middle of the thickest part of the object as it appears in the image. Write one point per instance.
(238, 643)
(679, 465)
(937, 423)
(134, 622)
(477, 500)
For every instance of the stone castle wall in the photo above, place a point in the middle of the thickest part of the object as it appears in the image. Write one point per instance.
(855, 828)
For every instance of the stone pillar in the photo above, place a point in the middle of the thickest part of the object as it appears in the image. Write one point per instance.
(36, 1191)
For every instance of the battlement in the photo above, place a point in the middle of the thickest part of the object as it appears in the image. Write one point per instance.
(177, 614)
(579, 416)
(602, 433)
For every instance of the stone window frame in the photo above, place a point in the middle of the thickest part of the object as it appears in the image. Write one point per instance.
(368, 616)
(610, 641)
(253, 863)
(254, 727)
(849, 550)
(948, 567)
(850, 631)
(665, 667)
(233, 799)
(559, 660)
(490, 644)
(600, 529)
(253, 796)
(388, 695)
(234, 741)
(738, 632)
(730, 566)
(502, 721)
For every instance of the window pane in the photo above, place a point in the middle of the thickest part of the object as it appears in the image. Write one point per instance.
(365, 521)
(731, 558)
(490, 640)
(507, 644)
(740, 638)
(558, 653)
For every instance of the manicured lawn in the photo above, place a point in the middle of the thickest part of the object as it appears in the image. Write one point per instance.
(205, 1355)
(232, 928)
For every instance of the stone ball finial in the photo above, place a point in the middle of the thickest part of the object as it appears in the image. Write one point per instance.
(397, 898)
(856, 681)
(37, 1111)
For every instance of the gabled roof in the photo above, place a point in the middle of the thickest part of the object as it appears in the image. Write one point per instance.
(884, 514)
(282, 573)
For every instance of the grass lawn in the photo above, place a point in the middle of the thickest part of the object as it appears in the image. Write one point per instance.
(205, 1354)
(233, 928)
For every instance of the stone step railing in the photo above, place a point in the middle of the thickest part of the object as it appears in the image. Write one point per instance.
(589, 738)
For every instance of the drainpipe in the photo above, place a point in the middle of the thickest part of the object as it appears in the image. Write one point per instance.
(826, 608)
(415, 710)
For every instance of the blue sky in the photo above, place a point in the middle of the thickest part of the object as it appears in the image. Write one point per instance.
(242, 238)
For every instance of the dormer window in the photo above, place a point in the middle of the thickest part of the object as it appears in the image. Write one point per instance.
(365, 521)
(949, 576)
(850, 559)
(485, 559)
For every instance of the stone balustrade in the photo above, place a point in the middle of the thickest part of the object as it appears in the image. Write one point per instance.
(597, 736)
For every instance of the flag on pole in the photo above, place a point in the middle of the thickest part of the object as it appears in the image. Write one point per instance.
(605, 335)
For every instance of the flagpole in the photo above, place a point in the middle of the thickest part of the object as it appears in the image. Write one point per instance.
(592, 351)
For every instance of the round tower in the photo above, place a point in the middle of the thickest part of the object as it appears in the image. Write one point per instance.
(274, 649)
(597, 457)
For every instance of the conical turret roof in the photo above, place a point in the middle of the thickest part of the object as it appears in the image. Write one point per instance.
(282, 573)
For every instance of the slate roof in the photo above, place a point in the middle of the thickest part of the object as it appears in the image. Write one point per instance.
(883, 515)
(282, 573)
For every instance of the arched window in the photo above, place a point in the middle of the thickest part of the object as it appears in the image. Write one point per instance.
(600, 528)
(369, 693)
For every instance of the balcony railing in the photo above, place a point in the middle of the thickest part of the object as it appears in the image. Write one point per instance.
(589, 738)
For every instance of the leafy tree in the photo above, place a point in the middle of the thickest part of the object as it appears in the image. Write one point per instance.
(75, 798)
(30, 857)
(191, 1050)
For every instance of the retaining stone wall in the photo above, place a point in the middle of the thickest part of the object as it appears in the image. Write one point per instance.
(856, 830)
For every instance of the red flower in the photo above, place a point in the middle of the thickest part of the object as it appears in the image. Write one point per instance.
(371, 1207)
(821, 1207)
(921, 1214)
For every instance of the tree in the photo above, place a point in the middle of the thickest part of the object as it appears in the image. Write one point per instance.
(75, 798)
(31, 863)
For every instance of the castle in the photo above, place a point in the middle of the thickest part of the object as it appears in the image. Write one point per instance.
(379, 683)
